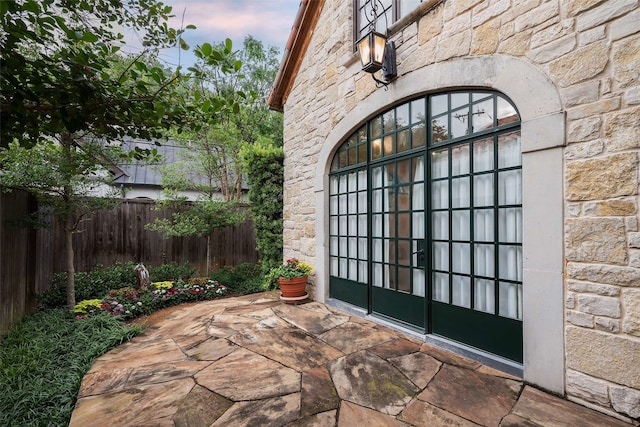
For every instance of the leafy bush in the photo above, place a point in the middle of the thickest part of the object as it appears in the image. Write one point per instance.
(43, 360)
(242, 279)
(88, 285)
(171, 271)
(88, 306)
(101, 280)
(263, 165)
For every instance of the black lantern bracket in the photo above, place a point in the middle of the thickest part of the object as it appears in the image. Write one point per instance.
(376, 52)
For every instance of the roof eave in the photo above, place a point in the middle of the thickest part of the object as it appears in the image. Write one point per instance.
(303, 26)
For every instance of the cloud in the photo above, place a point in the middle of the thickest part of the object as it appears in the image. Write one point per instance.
(216, 20)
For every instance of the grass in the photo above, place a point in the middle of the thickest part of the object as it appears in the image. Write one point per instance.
(43, 360)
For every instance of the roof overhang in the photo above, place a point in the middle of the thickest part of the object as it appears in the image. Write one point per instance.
(305, 22)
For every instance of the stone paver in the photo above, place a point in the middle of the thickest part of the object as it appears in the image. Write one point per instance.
(253, 360)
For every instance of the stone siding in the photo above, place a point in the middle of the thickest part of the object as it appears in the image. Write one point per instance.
(590, 51)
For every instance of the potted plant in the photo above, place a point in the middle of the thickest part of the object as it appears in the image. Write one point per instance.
(292, 278)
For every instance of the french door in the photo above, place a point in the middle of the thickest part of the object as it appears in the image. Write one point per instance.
(425, 219)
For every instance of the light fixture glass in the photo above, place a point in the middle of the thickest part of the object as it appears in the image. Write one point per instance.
(371, 48)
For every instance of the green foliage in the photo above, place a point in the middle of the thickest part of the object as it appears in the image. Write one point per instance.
(100, 281)
(57, 69)
(43, 360)
(263, 164)
(242, 279)
(198, 218)
(88, 306)
(292, 268)
(171, 271)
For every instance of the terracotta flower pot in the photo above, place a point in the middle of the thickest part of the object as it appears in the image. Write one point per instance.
(292, 288)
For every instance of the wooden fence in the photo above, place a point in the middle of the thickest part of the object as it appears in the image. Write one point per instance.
(28, 257)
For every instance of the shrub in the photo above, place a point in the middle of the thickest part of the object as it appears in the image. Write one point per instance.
(171, 271)
(243, 279)
(98, 282)
(161, 285)
(88, 306)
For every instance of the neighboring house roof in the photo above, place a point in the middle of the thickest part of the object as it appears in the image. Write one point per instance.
(142, 173)
(305, 22)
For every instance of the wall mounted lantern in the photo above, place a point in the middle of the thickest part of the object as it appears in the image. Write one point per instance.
(376, 53)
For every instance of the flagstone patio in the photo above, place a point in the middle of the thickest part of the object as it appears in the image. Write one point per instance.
(254, 361)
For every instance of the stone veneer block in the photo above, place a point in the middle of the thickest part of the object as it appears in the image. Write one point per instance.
(631, 304)
(596, 240)
(603, 178)
(603, 355)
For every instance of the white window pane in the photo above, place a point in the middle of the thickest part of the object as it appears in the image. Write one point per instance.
(333, 184)
(483, 190)
(460, 192)
(362, 179)
(483, 155)
(333, 246)
(483, 225)
(343, 268)
(485, 296)
(376, 180)
(362, 225)
(377, 200)
(342, 204)
(333, 205)
(439, 164)
(406, 6)
(353, 182)
(510, 225)
(353, 270)
(460, 160)
(509, 151)
(353, 247)
(343, 225)
(353, 225)
(342, 186)
(334, 266)
(441, 256)
(418, 225)
(506, 112)
(377, 250)
(377, 275)
(461, 224)
(342, 242)
(353, 203)
(362, 272)
(441, 287)
(417, 197)
(440, 225)
(418, 282)
(510, 187)
(440, 194)
(461, 257)
(362, 202)
(376, 225)
(362, 248)
(484, 262)
(461, 291)
(333, 225)
(510, 297)
(510, 262)
(459, 99)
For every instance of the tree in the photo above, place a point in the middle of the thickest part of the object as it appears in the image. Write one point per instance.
(66, 179)
(197, 170)
(66, 93)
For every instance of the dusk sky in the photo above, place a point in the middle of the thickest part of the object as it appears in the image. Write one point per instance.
(269, 21)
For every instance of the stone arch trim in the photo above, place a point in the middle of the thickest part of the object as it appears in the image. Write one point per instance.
(543, 136)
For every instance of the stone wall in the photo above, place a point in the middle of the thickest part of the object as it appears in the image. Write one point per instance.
(590, 51)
